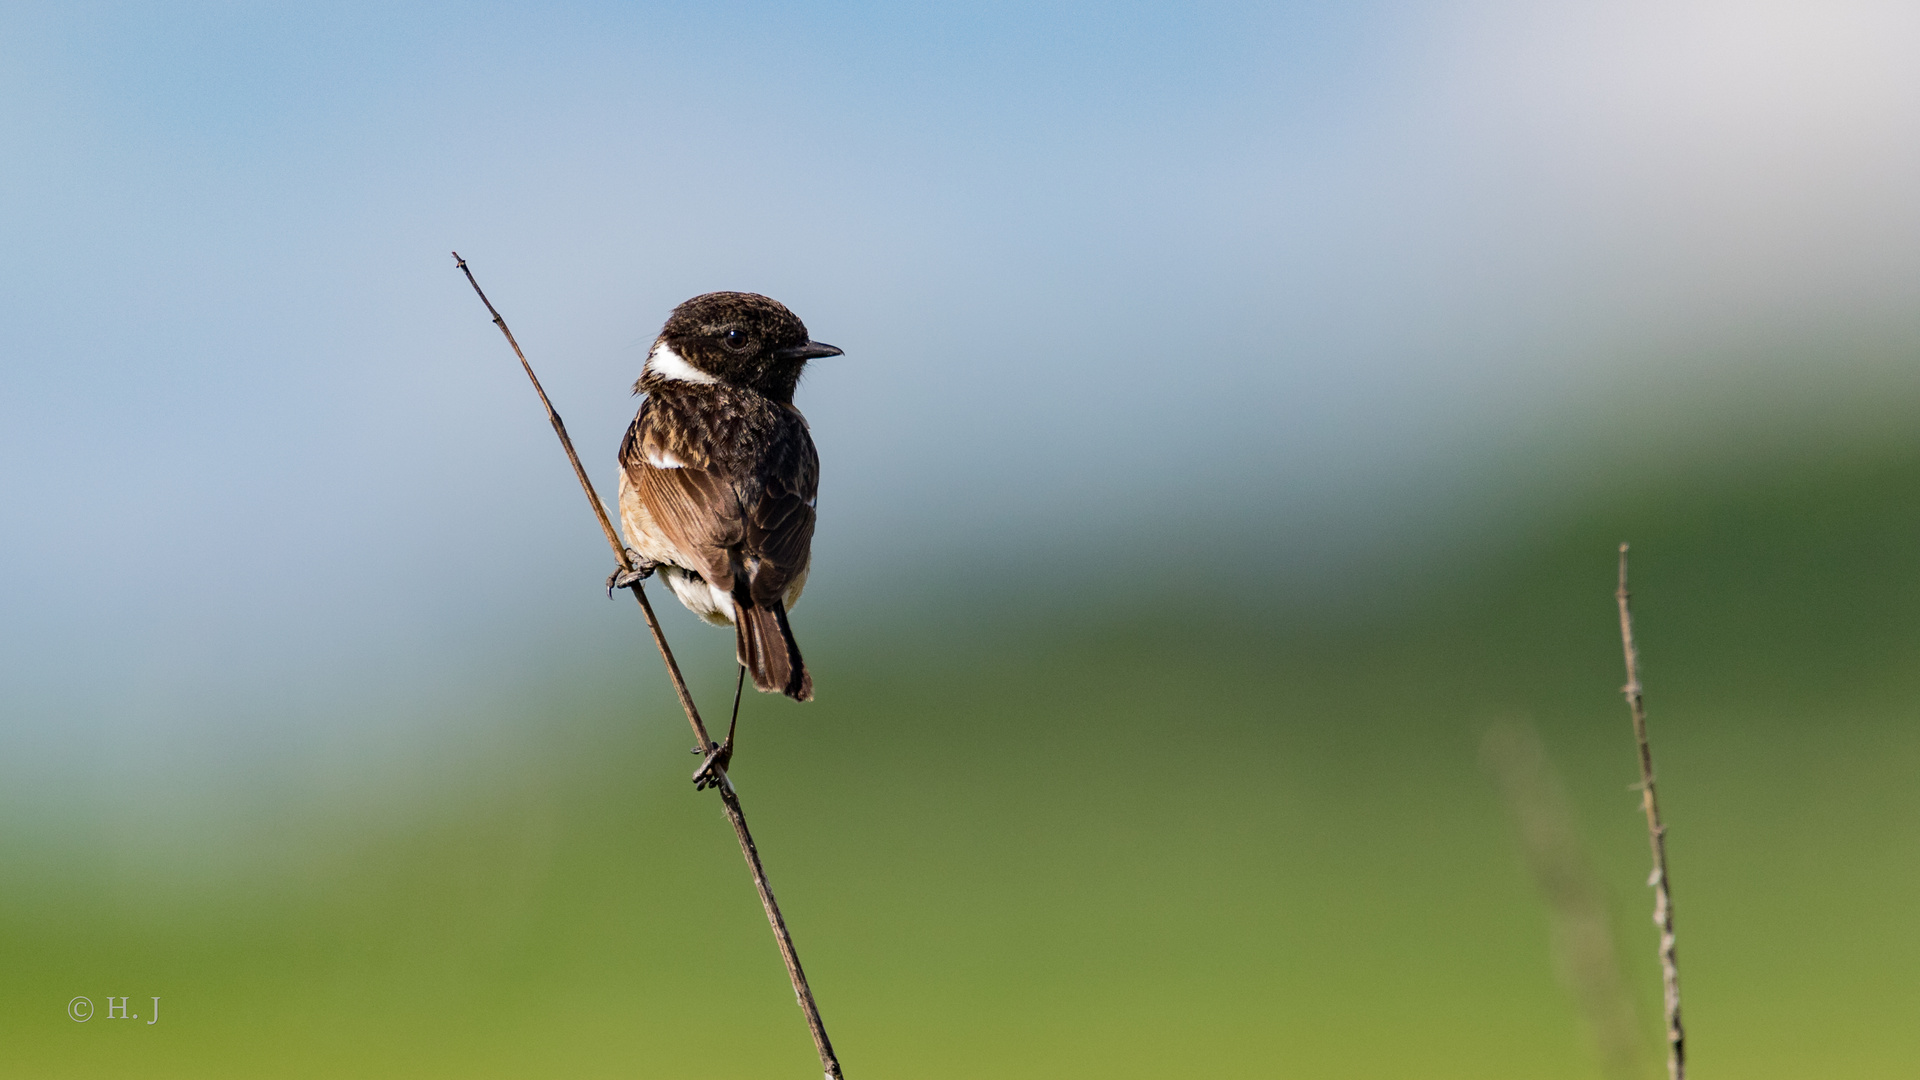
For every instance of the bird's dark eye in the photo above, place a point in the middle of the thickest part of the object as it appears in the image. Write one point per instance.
(735, 339)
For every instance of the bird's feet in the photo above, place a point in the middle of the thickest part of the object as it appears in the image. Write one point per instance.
(713, 769)
(626, 579)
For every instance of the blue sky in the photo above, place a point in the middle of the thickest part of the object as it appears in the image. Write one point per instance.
(1097, 268)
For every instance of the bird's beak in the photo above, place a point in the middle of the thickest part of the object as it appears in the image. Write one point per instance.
(812, 350)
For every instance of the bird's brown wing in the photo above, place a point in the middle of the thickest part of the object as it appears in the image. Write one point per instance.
(779, 514)
(777, 546)
(696, 506)
(701, 515)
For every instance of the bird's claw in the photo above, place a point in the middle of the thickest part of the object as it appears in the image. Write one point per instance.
(713, 770)
(627, 578)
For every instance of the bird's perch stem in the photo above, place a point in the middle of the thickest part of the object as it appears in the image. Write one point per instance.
(729, 799)
(1656, 838)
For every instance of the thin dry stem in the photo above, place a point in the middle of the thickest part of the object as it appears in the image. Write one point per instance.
(1656, 839)
(729, 798)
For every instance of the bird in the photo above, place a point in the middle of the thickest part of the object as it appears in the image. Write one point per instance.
(719, 479)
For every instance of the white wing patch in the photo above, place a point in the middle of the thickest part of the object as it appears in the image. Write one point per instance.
(667, 364)
(664, 459)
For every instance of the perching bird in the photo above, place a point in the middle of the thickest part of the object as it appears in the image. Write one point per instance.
(718, 475)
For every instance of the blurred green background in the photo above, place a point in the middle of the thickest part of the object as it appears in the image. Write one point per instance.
(1128, 826)
(1241, 406)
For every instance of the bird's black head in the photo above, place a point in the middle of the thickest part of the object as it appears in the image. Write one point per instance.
(738, 339)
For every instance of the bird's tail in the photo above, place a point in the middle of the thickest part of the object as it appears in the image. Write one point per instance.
(764, 644)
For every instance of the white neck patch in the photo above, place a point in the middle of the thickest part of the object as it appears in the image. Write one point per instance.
(664, 363)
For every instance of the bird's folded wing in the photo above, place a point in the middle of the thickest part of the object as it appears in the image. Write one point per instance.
(780, 517)
(700, 513)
